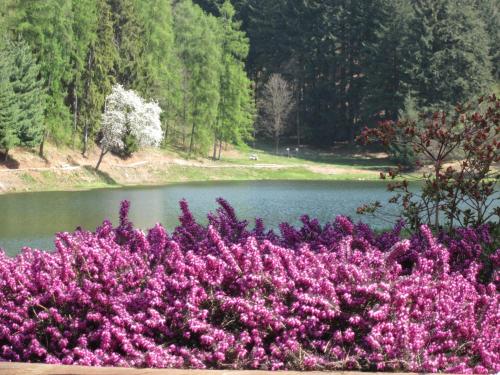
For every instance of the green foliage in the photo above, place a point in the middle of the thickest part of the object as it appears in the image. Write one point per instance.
(30, 95)
(185, 62)
(98, 73)
(451, 63)
(84, 27)
(22, 99)
(351, 62)
(128, 34)
(160, 77)
(9, 108)
(200, 53)
(387, 64)
(402, 152)
(489, 11)
(47, 27)
(236, 105)
(131, 146)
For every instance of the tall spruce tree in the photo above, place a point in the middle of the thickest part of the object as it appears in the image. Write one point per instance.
(489, 11)
(98, 74)
(161, 73)
(235, 112)
(450, 63)
(29, 94)
(46, 27)
(9, 108)
(387, 69)
(129, 32)
(84, 26)
(350, 61)
(200, 52)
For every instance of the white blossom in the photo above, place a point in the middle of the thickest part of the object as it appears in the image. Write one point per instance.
(127, 113)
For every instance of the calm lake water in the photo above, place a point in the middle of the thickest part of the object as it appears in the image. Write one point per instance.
(32, 219)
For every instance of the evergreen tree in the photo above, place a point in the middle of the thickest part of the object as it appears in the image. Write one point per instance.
(387, 64)
(29, 95)
(235, 113)
(350, 62)
(160, 76)
(84, 26)
(129, 32)
(200, 52)
(489, 11)
(451, 63)
(210, 6)
(9, 109)
(98, 74)
(46, 27)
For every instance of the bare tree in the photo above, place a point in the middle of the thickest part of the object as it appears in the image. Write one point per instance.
(276, 103)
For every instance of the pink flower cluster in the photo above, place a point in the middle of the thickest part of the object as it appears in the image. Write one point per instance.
(222, 296)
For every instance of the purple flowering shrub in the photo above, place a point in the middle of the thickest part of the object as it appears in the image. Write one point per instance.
(337, 296)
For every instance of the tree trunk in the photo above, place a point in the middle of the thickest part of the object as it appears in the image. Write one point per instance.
(220, 148)
(277, 143)
(90, 59)
(100, 159)
(299, 102)
(42, 143)
(214, 154)
(75, 114)
(85, 138)
(165, 134)
(6, 157)
(298, 127)
(191, 142)
(436, 217)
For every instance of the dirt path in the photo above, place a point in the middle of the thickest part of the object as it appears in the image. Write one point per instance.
(189, 163)
(65, 169)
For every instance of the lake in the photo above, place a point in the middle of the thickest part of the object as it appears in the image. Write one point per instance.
(32, 219)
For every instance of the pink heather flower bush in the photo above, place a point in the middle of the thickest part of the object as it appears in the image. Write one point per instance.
(223, 296)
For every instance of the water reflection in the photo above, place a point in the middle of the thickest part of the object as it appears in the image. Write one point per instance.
(31, 219)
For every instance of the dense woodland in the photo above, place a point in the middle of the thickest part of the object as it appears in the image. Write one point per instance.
(347, 63)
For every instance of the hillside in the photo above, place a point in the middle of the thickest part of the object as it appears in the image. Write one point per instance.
(66, 169)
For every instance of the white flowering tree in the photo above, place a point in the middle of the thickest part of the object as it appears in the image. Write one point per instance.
(126, 113)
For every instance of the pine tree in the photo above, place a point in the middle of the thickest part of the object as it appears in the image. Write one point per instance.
(98, 74)
(84, 27)
(489, 11)
(161, 70)
(46, 27)
(29, 94)
(129, 32)
(200, 52)
(451, 63)
(9, 109)
(387, 64)
(235, 113)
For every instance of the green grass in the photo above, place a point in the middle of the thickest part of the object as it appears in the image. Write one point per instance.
(236, 166)
(343, 157)
(185, 174)
(28, 179)
(175, 174)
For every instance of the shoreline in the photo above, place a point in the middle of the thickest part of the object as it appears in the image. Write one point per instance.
(66, 170)
(105, 186)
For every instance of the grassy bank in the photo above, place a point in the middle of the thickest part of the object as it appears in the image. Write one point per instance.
(66, 169)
